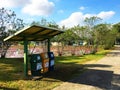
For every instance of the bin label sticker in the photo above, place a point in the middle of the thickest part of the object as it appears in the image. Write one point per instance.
(52, 62)
(47, 64)
(39, 66)
(46, 56)
(52, 55)
(34, 61)
(38, 57)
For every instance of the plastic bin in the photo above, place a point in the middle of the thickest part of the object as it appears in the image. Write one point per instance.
(51, 61)
(45, 62)
(45, 65)
(36, 64)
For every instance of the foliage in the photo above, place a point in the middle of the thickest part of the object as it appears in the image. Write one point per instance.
(116, 27)
(44, 22)
(99, 34)
(82, 33)
(104, 35)
(92, 21)
(8, 25)
(73, 35)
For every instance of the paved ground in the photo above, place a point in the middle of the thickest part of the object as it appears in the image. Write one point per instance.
(101, 75)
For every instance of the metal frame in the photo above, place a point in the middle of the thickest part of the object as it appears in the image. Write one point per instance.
(25, 58)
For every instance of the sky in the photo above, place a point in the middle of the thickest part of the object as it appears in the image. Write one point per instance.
(64, 12)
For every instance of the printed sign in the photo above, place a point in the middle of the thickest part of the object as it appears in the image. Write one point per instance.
(46, 56)
(47, 64)
(39, 66)
(38, 57)
(52, 55)
(52, 62)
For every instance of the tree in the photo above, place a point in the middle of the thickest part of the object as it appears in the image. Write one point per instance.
(100, 33)
(104, 35)
(35, 23)
(117, 28)
(44, 22)
(82, 32)
(8, 25)
(90, 23)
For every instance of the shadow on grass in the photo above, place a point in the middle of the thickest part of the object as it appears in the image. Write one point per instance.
(5, 88)
(67, 70)
(103, 79)
(98, 78)
(11, 69)
(115, 53)
(97, 65)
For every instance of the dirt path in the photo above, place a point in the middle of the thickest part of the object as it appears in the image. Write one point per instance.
(101, 75)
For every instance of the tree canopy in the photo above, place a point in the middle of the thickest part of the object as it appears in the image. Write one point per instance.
(9, 24)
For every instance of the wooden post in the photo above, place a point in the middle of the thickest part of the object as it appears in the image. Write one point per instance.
(25, 58)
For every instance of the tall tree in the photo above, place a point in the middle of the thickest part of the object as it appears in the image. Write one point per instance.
(82, 32)
(105, 35)
(90, 23)
(8, 25)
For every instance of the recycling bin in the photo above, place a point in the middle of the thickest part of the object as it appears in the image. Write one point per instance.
(36, 64)
(45, 62)
(51, 61)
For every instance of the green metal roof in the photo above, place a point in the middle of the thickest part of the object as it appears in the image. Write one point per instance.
(34, 33)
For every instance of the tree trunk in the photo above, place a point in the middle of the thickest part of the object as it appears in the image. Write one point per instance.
(3, 55)
(4, 47)
(95, 49)
(3, 52)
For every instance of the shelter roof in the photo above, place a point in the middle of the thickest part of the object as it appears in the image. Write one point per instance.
(34, 33)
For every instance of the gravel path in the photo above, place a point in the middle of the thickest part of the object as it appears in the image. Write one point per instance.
(101, 75)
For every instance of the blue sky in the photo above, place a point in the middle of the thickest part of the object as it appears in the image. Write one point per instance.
(64, 12)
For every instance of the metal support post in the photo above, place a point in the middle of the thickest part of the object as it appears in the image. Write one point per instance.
(48, 45)
(25, 58)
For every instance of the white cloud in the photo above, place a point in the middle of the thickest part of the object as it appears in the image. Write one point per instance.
(12, 3)
(73, 19)
(31, 7)
(39, 8)
(78, 18)
(106, 15)
(82, 8)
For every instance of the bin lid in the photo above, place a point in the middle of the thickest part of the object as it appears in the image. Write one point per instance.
(35, 57)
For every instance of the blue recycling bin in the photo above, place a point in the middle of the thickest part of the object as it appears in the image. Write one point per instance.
(51, 61)
(36, 64)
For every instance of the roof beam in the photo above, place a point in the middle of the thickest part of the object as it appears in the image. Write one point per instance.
(38, 31)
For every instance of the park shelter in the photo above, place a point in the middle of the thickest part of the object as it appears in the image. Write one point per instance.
(33, 33)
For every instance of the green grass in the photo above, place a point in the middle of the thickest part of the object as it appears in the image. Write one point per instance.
(67, 67)
(81, 59)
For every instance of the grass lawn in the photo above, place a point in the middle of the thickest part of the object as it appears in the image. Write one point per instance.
(67, 67)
